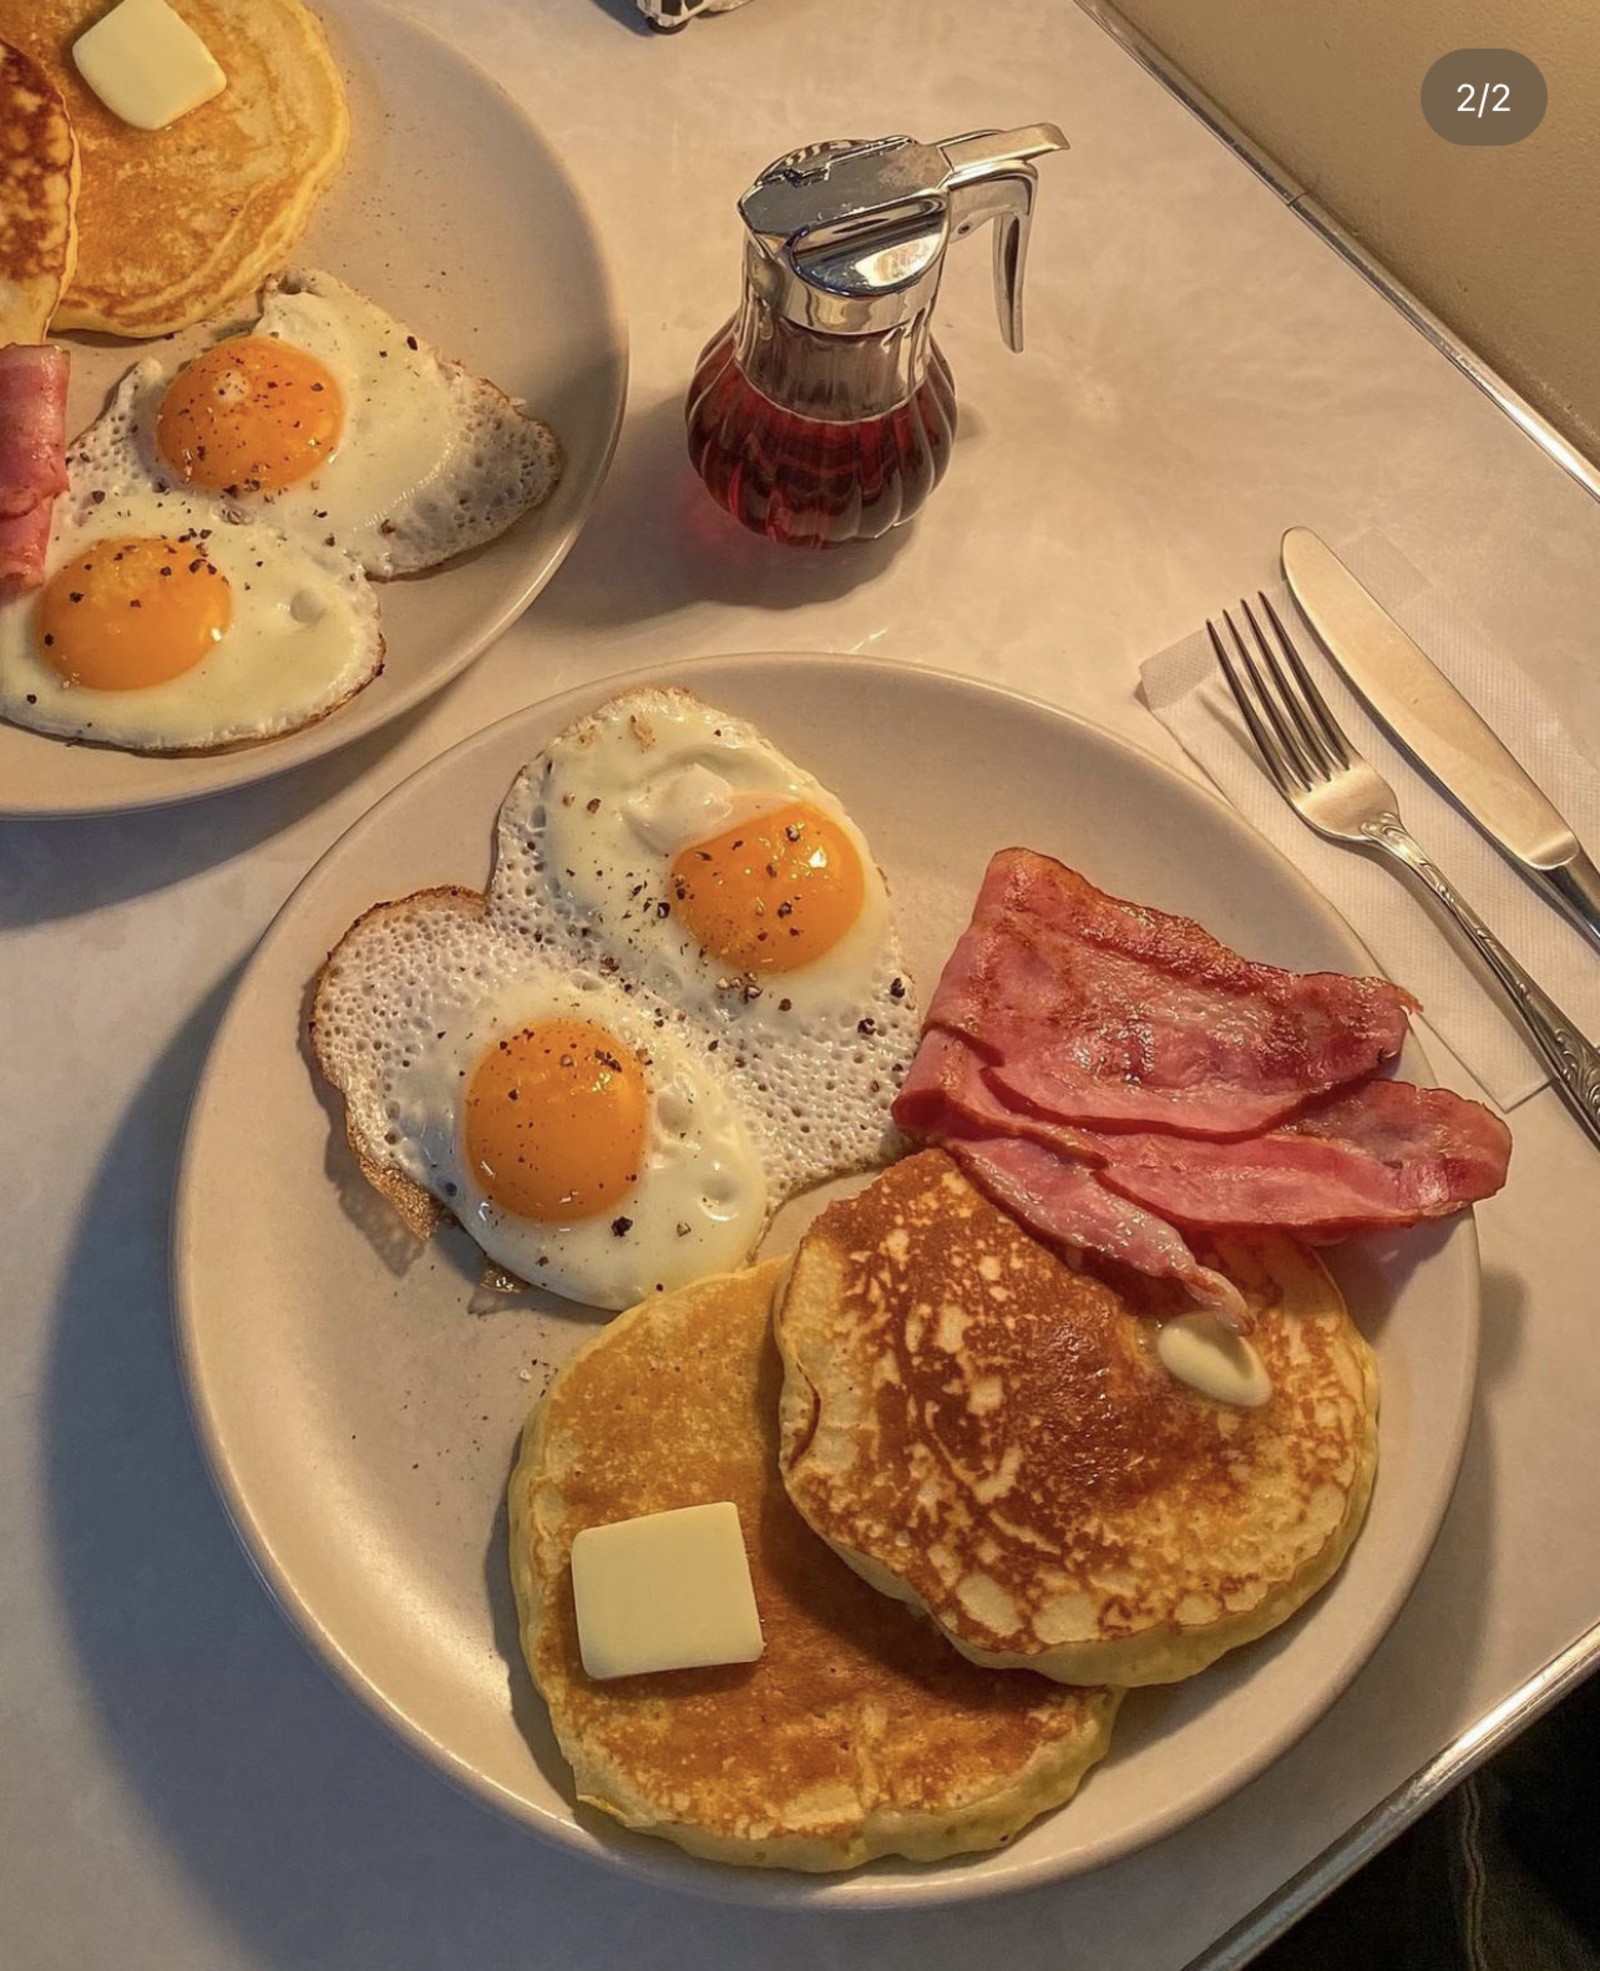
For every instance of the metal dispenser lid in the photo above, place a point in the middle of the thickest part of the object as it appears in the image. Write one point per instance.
(849, 237)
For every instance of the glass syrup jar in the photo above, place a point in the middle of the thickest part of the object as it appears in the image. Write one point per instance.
(824, 412)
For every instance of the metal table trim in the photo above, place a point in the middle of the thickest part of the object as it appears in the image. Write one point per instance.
(1533, 423)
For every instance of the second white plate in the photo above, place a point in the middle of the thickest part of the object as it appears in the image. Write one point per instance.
(454, 214)
(360, 1402)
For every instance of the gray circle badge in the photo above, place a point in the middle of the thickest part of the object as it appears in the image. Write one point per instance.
(1484, 96)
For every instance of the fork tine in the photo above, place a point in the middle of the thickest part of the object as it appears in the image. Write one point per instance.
(1333, 732)
(1304, 766)
(1324, 760)
(1266, 745)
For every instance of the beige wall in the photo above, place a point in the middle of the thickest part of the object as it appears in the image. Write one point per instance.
(1502, 243)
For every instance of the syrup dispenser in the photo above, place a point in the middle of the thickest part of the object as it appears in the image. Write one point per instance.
(824, 411)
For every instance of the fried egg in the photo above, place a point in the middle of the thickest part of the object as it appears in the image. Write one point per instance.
(585, 1142)
(761, 1090)
(159, 630)
(681, 835)
(331, 422)
(724, 878)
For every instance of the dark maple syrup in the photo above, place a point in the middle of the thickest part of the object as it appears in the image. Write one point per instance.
(824, 411)
(815, 482)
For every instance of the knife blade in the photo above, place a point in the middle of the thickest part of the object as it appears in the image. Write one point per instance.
(1422, 710)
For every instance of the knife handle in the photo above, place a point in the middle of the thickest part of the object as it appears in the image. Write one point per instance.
(1573, 1061)
(1576, 885)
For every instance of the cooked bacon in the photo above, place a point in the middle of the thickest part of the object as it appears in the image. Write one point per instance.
(1383, 1153)
(1063, 1203)
(33, 426)
(33, 462)
(1091, 1010)
(22, 546)
(1063, 1014)
(947, 1094)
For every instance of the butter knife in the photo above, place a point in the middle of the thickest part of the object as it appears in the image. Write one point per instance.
(1423, 711)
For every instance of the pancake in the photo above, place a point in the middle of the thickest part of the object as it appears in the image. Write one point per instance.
(38, 194)
(858, 1732)
(176, 223)
(988, 1433)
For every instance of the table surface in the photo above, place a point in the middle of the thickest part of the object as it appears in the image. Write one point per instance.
(183, 1786)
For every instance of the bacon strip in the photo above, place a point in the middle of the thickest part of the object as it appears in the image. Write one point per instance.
(1043, 1172)
(1028, 1068)
(33, 462)
(1383, 1153)
(947, 1094)
(1091, 1010)
(1064, 1204)
(22, 546)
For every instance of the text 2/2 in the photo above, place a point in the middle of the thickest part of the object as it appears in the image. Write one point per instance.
(1466, 106)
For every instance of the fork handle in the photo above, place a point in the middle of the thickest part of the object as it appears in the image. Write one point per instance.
(1574, 1063)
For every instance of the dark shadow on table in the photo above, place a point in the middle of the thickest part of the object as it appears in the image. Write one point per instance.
(50, 869)
(281, 1799)
(626, 14)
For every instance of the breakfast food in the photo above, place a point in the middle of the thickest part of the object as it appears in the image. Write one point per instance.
(1095, 1011)
(992, 1435)
(38, 249)
(858, 1732)
(160, 628)
(33, 403)
(329, 420)
(176, 223)
(157, 633)
(203, 580)
(1117, 1077)
(586, 1144)
(38, 198)
(722, 876)
(680, 1002)
(147, 64)
(147, 187)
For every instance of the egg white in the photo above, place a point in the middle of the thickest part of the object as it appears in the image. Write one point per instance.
(405, 1014)
(303, 637)
(615, 799)
(431, 460)
(784, 1098)
(580, 865)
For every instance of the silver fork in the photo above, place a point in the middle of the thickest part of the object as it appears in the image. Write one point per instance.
(1344, 798)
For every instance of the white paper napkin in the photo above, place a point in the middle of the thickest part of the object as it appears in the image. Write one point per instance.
(1185, 690)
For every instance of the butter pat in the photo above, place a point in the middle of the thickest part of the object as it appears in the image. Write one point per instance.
(670, 1591)
(1206, 1354)
(147, 64)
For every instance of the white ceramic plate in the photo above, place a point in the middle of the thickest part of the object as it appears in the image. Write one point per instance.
(360, 1408)
(454, 214)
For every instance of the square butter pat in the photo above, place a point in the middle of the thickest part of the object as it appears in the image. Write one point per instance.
(670, 1591)
(147, 64)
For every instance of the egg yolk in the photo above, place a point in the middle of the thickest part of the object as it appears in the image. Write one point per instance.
(556, 1118)
(252, 415)
(773, 893)
(126, 613)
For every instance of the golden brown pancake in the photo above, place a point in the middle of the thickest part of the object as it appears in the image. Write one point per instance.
(38, 195)
(990, 1434)
(176, 223)
(858, 1732)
